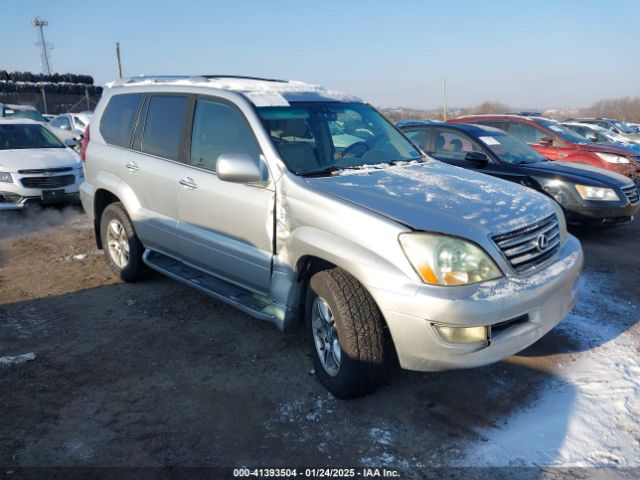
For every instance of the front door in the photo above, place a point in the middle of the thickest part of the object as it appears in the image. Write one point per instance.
(226, 228)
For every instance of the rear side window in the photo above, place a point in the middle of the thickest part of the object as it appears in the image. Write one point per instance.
(118, 118)
(164, 124)
(495, 124)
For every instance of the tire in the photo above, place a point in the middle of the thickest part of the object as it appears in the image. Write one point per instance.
(128, 266)
(360, 331)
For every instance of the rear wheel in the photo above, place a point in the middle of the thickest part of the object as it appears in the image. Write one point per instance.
(122, 247)
(346, 330)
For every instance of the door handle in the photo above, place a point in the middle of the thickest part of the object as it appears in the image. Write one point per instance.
(188, 182)
(132, 166)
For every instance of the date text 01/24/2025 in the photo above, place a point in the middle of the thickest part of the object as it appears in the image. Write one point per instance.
(315, 473)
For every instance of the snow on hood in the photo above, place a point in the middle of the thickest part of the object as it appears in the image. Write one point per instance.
(434, 196)
(23, 159)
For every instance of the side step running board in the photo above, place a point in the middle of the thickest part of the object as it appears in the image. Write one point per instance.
(251, 303)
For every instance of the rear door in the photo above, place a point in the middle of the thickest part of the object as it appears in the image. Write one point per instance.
(153, 167)
(226, 228)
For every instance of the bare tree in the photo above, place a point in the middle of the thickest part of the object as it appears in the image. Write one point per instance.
(625, 108)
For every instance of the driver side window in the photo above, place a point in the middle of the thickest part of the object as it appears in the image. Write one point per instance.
(451, 145)
(526, 133)
(218, 129)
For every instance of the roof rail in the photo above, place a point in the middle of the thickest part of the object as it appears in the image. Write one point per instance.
(146, 78)
(245, 77)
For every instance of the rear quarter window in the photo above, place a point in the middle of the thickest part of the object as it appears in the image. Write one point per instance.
(118, 119)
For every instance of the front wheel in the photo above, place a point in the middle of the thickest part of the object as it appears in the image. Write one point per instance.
(346, 331)
(123, 248)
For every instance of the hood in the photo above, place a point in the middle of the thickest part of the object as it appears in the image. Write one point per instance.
(631, 146)
(606, 148)
(434, 196)
(581, 173)
(23, 159)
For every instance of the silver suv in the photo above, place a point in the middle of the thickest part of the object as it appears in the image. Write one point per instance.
(293, 202)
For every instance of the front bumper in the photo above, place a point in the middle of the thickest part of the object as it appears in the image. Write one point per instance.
(15, 196)
(595, 213)
(537, 302)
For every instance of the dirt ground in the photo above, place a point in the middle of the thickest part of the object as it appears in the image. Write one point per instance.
(155, 373)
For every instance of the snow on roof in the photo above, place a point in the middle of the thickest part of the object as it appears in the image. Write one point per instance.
(260, 91)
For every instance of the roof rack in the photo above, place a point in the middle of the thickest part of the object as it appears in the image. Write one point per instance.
(195, 78)
(244, 77)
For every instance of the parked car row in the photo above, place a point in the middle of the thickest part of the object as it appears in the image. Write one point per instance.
(588, 195)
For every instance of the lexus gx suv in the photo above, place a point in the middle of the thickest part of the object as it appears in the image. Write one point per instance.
(304, 206)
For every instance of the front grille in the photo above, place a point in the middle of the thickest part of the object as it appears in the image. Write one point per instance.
(632, 194)
(526, 248)
(46, 170)
(49, 182)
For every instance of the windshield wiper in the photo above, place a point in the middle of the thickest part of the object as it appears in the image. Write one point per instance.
(321, 173)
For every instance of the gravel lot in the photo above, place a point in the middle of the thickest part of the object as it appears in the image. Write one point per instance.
(156, 374)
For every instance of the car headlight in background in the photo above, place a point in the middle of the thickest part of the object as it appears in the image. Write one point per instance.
(597, 193)
(6, 177)
(444, 260)
(611, 158)
(80, 170)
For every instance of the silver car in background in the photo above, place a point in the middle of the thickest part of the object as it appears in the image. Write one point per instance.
(237, 187)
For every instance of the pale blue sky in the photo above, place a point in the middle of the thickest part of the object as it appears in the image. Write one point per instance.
(540, 53)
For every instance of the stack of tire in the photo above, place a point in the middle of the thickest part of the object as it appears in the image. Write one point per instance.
(64, 83)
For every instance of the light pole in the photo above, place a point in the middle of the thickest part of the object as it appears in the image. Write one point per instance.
(40, 23)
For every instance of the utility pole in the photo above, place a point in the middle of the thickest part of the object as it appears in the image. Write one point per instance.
(444, 99)
(40, 23)
(44, 98)
(118, 58)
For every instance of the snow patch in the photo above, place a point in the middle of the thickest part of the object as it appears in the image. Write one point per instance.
(17, 359)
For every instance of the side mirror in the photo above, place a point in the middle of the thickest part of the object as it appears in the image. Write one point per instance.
(593, 139)
(545, 141)
(238, 168)
(71, 143)
(481, 158)
(64, 127)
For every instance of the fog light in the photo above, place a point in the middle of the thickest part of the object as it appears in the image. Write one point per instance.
(462, 334)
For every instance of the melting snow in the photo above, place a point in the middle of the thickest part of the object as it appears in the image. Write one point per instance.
(591, 416)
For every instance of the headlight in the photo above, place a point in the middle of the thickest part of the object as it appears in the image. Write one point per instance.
(597, 193)
(611, 158)
(80, 169)
(6, 177)
(443, 260)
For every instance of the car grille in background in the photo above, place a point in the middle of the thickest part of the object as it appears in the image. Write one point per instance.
(525, 248)
(46, 170)
(632, 194)
(49, 182)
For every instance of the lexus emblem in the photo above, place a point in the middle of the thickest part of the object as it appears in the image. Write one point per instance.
(542, 242)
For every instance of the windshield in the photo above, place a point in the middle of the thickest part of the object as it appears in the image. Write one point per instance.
(24, 113)
(18, 136)
(563, 132)
(312, 137)
(509, 149)
(624, 127)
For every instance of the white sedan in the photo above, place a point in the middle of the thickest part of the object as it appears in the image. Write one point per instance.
(35, 166)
